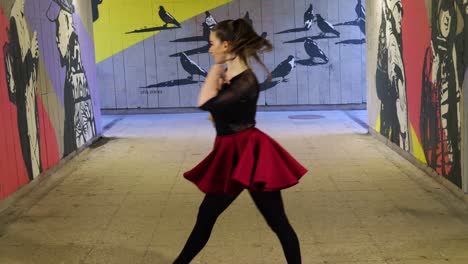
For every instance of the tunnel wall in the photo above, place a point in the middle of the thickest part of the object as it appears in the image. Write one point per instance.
(49, 104)
(416, 82)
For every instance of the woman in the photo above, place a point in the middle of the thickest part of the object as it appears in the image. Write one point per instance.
(243, 157)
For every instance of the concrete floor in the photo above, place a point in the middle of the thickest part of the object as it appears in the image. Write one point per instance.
(125, 201)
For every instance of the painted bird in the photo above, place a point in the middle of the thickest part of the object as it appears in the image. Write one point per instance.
(206, 32)
(210, 20)
(313, 50)
(247, 18)
(167, 18)
(309, 17)
(360, 10)
(325, 26)
(362, 25)
(284, 68)
(191, 67)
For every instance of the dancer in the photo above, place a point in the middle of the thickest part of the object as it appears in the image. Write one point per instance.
(243, 157)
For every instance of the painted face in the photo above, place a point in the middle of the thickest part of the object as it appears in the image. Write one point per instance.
(64, 30)
(444, 23)
(218, 49)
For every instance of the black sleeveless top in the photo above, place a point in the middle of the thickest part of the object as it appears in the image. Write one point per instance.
(235, 106)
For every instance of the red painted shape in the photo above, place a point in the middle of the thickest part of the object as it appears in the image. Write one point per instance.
(13, 173)
(416, 33)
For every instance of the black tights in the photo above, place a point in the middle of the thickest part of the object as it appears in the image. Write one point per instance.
(270, 205)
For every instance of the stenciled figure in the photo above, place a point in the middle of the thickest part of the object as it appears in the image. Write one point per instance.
(390, 76)
(79, 126)
(21, 63)
(441, 92)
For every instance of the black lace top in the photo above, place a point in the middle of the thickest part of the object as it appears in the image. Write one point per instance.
(235, 106)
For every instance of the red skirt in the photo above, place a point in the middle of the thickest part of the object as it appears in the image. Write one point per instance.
(249, 159)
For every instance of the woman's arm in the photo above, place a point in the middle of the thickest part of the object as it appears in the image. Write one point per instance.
(212, 84)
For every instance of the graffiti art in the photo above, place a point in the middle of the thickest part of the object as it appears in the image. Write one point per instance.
(21, 55)
(79, 123)
(390, 76)
(441, 93)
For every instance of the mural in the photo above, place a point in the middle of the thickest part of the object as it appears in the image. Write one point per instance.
(190, 67)
(390, 76)
(95, 8)
(442, 82)
(309, 17)
(166, 17)
(140, 15)
(210, 21)
(284, 68)
(360, 22)
(46, 113)
(280, 72)
(79, 123)
(419, 78)
(326, 27)
(171, 53)
(21, 55)
(316, 54)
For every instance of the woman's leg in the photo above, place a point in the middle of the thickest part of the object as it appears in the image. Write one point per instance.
(271, 206)
(211, 207)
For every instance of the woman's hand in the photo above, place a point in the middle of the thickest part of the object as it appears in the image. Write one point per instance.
(212, 84)
(218, 72)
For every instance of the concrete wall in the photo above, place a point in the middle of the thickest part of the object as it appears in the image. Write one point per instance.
(139, 64)
(416, 78)
(465, 132)
(49, 104)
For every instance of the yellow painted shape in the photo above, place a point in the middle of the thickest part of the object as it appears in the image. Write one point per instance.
(377, 124)
(418, 151)
(417, 148)
(119, 16)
